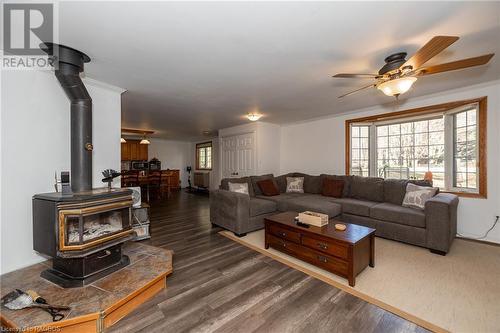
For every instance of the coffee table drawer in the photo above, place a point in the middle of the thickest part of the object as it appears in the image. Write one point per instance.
(325, 261)
(284, 233)
(333, 248)
(284, 245)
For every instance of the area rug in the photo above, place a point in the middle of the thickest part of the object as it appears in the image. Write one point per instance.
(459, 292)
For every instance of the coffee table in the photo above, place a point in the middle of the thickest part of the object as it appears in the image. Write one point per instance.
(345, 253)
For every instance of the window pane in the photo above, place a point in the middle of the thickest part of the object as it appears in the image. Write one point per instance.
(471, 180)
(383, 142)
(407, 128)
(471, 117)
(436, 124)
(364, 154)
(421, 139)
(471, 133)
(436, 138)
(460, 119)
(355, 143)
(461, 179)
(364, 142)
(438, 179)
(461, 134)
(394, 141)
(421, 126)
(395, 129)
(360, 153)
(465, 149)
(407, 140)
(382, 130)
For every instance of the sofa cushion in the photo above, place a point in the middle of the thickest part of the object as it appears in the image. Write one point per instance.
(312, 184)
(332, 187)
(416, 196)
(347, 183)
(367, 188)
(356, 206)
(281, 181)
(395, 189)
(224, 184)
(398, 214)
(268, 187)
(294, 184)
(255, 179)
(281, 200)
(238, 187)
(315, 203)
(261, 206)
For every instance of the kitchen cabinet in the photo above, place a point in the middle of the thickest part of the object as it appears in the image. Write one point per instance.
(143, 152)
(132, 150)
(125, 151)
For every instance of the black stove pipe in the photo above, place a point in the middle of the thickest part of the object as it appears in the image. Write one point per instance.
(68, 64)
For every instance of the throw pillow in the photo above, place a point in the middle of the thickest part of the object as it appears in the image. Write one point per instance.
(238, 187)
(294, 184)
(268, 187)
(416, 196)
(332, 187)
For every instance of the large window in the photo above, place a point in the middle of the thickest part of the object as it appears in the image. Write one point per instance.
(204, 156)
(445, 142)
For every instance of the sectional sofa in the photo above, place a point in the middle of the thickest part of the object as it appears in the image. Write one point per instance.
(369, 201)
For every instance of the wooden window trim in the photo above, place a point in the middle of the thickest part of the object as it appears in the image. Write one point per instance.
(203, 145)
(482, 128)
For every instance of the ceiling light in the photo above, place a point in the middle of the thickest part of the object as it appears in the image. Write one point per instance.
(396, 87)
(122, 140)
(253, 116)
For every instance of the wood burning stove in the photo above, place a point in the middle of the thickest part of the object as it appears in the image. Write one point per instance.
(83, 230)
(83, 233)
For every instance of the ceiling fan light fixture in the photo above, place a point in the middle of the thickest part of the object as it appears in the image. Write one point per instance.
(397, 86)
(253, 116)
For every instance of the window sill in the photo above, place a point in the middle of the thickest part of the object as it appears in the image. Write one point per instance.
(467, 194)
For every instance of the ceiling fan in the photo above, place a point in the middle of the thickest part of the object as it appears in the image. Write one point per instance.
(398, 74)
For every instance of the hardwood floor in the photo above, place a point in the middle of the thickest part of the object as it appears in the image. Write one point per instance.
(221, 286)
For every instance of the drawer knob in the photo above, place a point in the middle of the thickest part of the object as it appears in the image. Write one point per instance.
(284, 244)
(322, 246)
(283, 234)
(322, 259)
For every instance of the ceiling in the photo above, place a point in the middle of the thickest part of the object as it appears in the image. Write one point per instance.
(193, 67)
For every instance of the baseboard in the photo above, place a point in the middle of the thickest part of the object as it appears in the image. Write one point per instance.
(478, 241)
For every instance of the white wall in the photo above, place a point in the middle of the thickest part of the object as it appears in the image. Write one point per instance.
(318, 147)
(268, 148)
(173, 155)
(35, 138)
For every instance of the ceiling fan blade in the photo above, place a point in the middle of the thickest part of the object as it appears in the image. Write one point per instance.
(361, 76)
(454, 65)
(352, 92)
(433, 47)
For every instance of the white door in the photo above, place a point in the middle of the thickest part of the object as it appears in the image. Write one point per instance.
(238, 155)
